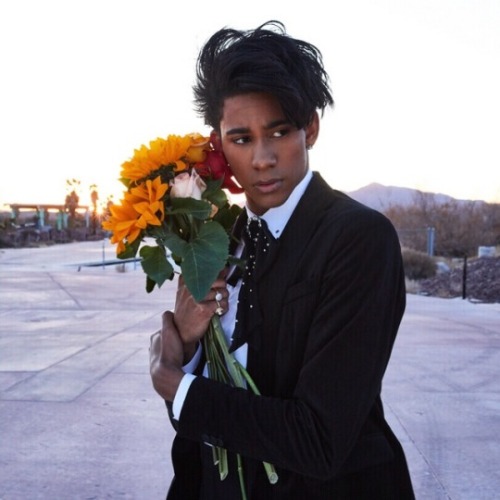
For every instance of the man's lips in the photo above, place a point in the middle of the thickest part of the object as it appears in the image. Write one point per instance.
(268, 186)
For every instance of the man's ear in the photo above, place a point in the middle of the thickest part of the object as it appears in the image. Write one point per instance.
(312, 130)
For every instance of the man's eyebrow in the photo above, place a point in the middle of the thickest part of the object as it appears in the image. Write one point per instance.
(237, 130)
(269, 126)
(278, 123)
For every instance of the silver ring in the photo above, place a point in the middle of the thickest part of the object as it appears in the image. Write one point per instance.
(218, 297)
(219, 311)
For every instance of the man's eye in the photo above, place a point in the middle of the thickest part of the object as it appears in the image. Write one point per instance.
(241, 140)
(281, 132)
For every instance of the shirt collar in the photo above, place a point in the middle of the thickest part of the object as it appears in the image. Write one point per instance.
(278, 217)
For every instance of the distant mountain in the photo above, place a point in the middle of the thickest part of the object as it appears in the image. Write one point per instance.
(382, 197)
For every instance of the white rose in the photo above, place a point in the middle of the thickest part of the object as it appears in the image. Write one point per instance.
(187, 185)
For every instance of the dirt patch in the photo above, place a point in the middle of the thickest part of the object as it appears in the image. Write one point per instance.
(482, 281)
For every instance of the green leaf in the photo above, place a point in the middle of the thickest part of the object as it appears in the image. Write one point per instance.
(155, 264)
(174, 243)
(214, 194)
(150, 284)
(199, 209)
(204, 258)
(125, 182)
(236, 261)
(130, 250)
(219, 198)
(227, 216)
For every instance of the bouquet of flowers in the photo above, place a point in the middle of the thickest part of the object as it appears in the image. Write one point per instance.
(175, 196)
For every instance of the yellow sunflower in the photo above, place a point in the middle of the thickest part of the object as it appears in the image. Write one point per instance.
(138, 208)
(123, 224)
(173, 150)
(149, 202)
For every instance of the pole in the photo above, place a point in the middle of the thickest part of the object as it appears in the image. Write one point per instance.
(464, 279)
(430, 241)
(103, 253)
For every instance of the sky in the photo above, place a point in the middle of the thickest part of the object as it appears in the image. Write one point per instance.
(415, 83)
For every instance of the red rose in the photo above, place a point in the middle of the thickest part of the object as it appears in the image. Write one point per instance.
(216, 166)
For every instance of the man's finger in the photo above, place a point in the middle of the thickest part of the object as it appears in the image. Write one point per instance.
(155, 347)
(167, 320)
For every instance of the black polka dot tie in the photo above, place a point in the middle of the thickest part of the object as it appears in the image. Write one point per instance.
(258, 243)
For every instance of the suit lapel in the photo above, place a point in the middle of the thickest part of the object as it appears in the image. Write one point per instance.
(279, 266)
(301, 227)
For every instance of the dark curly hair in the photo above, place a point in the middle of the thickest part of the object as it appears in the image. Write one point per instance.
(265, 59)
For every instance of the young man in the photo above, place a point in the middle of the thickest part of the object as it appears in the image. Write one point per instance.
(329, 300)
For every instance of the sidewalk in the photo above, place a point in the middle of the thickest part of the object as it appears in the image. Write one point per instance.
(80, 420)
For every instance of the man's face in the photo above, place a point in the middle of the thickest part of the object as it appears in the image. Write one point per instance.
(267, 154)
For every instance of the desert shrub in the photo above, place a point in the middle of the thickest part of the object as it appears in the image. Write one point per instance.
(418, 265)
(459, 226)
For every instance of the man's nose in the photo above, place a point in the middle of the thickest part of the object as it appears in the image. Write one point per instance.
(264, 155)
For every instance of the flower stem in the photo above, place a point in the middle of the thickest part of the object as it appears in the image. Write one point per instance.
(230, 362)
(223, 467)
(223, 366)
(247, 377)
(241, 477)
(272, 475)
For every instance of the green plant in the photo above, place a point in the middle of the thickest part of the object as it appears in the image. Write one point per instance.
(418, 265)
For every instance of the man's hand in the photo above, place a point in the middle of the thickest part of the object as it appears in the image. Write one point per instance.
(166, 358)
(192, 318)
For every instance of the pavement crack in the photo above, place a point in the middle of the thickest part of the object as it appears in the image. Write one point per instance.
(69, 294)
(430, 467)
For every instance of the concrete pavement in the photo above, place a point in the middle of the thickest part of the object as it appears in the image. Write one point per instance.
(79, 418)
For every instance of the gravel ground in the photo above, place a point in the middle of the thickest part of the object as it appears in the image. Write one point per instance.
(482, 283)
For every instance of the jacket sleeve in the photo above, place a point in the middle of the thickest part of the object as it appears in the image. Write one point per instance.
(359, 304)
